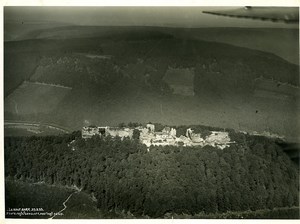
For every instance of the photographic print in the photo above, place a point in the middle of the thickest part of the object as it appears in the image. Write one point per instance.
(151, 112)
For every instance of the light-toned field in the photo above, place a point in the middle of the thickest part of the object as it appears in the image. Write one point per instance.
(34, 98)
(181, 81)
(19, 128)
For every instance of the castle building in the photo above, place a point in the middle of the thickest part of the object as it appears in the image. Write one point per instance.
(167, 136)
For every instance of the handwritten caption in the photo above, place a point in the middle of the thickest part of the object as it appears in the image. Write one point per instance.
(30, 212)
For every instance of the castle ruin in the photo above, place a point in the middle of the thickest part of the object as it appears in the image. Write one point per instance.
(167, 136)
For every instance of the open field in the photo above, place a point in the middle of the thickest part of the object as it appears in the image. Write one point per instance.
(277, 41)
(33, 98)
(22, 128)
(275, 90)
(252, 114)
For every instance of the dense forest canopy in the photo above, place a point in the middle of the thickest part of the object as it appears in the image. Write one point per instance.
(252, 174)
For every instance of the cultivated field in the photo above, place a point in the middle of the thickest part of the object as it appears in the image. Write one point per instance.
(34, 98)
(21, 128)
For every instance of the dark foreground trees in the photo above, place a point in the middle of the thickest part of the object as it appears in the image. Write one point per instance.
(250, 175)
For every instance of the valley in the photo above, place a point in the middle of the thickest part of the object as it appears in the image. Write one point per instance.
(124, 76)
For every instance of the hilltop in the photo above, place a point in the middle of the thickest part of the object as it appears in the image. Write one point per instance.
(279, 41)
(254, 174)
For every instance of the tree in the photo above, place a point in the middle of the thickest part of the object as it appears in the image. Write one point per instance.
(121, 125)
(136, 134)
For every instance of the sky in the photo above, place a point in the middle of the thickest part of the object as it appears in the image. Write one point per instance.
(133, 16)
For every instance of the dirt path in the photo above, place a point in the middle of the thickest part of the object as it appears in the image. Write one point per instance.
(64, 204)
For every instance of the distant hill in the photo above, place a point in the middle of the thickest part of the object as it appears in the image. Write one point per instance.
(282, 42)
(17, 30)
(121, 77)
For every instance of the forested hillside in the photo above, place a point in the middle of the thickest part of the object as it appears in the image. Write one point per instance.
(252, 174)
(121, 76)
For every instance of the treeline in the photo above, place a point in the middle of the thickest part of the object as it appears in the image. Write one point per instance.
(253, 174)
